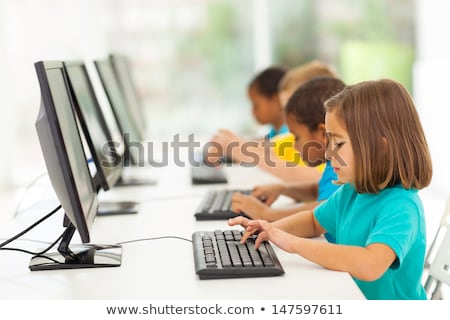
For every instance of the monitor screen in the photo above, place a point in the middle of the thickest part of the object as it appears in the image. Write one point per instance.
(106, 152)
(122, 69)
(69, 174)
(127, 124)
(62, 149)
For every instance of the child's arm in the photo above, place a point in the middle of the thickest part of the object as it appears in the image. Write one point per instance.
(267, 160)
(255, 153)
(299, 191)
(256, 209)
(300, 224)
(227, 143)
(365, 263)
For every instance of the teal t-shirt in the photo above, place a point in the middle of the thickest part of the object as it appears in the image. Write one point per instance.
(393, 217)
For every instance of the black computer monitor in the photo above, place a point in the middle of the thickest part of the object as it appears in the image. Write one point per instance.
(130, 129)
(69, 174)
(122, 69)
(107, 152)
(133, 140)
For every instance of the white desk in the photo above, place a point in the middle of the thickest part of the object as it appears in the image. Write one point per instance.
(160, 269)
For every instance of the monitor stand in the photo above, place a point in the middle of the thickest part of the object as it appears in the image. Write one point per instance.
(126, 180)
(113, 208)
(134, 181)
(109, 208)
(77, 256)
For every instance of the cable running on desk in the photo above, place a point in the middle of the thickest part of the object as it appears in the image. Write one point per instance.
(31, 227)
(155, 238)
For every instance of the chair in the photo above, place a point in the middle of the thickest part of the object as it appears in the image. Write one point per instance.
(437, 260)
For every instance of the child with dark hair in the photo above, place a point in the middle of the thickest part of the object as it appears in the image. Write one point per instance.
(266, 106)
(279, 157)
(378, 150)
(305, 115)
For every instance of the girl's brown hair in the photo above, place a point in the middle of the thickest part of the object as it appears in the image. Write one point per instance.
(387, 138)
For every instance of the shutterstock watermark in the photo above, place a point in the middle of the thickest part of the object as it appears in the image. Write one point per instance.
(190, 152)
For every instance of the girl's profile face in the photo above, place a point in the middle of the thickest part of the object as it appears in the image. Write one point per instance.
(339, 149)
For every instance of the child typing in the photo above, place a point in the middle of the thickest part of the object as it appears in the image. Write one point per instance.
(281, 160)
(305, 116)
(378, 150)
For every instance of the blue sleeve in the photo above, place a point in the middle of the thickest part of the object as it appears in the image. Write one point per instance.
(283, 130)
(326, 186)
(273, 133)
(397, 226)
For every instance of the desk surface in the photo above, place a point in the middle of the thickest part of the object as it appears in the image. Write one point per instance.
(160, 269)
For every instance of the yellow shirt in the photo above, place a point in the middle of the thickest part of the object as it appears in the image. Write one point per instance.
(284, 149)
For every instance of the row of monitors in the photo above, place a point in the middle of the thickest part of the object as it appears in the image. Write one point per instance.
(71, 117)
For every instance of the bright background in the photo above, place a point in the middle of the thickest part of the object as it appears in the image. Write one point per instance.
(192, 60)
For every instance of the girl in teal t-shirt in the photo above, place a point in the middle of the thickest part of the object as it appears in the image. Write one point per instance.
(378, 150)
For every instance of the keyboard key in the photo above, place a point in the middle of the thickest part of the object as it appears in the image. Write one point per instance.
(226, 205)
(265, 256)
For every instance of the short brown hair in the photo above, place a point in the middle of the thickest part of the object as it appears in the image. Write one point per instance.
(299, 75)
(306, 103)
(387, 137)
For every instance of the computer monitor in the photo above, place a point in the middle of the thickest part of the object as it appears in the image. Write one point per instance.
(107, 152)
(134, 155)
(122, 69)
(127, 123)
(69, 174)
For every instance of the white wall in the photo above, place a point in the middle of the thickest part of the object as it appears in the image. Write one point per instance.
(6, 123)
(31, 31)
(432, 85)
(431, 95)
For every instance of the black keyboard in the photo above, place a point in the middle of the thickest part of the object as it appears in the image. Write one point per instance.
(205, 174)
(220, 254)
(216, 205)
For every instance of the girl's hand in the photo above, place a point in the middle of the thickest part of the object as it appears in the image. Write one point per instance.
(222, 142)
(249, 205)
(263, 228)
(266, 231)
(242, 221)
(268, 193)
(251, 227)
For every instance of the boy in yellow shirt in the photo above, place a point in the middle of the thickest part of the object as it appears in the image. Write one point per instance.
(305, 115)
